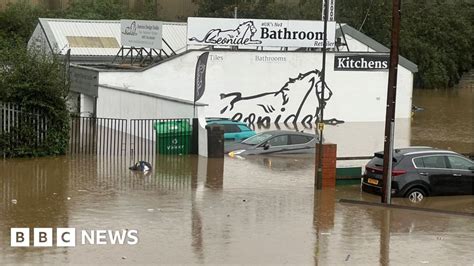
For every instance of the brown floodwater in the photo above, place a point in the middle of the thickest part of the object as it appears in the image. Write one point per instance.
(195, 210)
(447, 120)
(259, 210)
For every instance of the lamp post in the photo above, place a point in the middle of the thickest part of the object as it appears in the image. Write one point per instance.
(322, 103)
(391, 101)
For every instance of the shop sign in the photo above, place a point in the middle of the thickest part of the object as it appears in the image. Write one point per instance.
(361, 62)
(141, 33)
(259, 32)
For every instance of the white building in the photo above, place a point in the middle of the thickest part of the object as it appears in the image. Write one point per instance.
(250, 85)
(97, 42)
(94, 41)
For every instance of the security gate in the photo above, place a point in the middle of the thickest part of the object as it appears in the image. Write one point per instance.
(138, 138)
(102, 136)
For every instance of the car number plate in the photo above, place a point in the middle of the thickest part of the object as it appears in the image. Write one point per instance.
(373, 181)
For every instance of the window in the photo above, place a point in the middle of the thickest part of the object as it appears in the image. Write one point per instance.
(459, 163)
(279, 141)
(244, 128)
(298, 139)
(229, 128)
(419, 162)
(434, 162)
(257, 139)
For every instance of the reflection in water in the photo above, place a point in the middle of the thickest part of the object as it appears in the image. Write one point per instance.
(215, 173)
(214, 180)
(351, 233)
(52, 192)
(33, 194)
(385, 238)
(323, 219)
(285, 162)
(194, 210)
(175, 172)
(262, 210)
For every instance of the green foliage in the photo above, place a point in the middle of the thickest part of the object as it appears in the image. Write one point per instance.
(19, 20)
(247, 9)
(37, 83)
(149, 11)
(369, 16)
(91, 9)
(436, 35)
(109, 10)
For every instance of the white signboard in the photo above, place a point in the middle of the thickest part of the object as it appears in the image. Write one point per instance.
(259, 32)
(331, 10)
(141, 33)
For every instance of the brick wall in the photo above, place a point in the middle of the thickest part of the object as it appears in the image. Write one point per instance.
(329, 164)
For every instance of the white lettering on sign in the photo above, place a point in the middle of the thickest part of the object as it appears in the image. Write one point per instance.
(66, 237)
(361, 62)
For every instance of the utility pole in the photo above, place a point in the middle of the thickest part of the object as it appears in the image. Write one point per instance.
(322, 103)
(391, 100)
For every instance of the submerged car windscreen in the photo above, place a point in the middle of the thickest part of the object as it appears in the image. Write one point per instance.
(257, 139)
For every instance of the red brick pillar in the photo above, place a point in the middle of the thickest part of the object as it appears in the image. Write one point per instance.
(329, 164)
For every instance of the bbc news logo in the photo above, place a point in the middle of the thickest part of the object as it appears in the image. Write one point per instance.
(66, 237)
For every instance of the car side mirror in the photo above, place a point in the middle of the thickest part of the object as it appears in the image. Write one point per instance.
(266, 146)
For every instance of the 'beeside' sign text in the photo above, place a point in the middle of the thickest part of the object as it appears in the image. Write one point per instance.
(360, 62)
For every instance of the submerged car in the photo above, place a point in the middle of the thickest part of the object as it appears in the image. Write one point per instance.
(233, 130)
(274, 142)
(422, 171)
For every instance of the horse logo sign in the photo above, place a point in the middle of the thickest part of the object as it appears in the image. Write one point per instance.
(259, 32)
(130, 30)
(243, 34)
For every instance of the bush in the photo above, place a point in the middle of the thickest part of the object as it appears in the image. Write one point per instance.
(19, 20)
(37, 83)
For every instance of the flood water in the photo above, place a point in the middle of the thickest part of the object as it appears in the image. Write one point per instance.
(259, 210)
(447, 121)
(196, 210)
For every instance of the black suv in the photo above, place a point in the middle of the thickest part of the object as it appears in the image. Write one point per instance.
(422, 171)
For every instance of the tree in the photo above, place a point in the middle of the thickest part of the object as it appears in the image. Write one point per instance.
(37, 83)
(109, 10)
(19, 20)
(245, 9)
(96, 9)
(438, 36)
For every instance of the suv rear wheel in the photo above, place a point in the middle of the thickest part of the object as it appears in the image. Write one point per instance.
(416, 195)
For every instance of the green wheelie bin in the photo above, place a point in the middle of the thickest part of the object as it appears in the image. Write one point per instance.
(173, 136)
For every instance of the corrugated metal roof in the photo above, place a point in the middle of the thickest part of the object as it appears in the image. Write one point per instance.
(175, 34)
(57, 31)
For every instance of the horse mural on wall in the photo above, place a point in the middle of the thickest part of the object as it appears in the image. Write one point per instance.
(279, 104)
